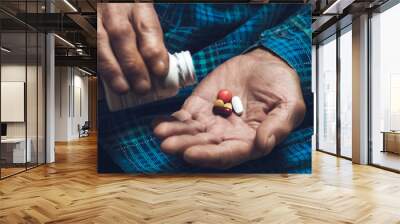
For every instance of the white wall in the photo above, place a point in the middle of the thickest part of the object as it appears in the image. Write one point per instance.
(80, 102)
(70, 83)
(33, 127)
(61, 103)
(16, 72)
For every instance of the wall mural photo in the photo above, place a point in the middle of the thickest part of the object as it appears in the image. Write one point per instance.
(204, 88)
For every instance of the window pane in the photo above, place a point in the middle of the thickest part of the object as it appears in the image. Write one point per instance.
(327, 96)
(385, 83)
(345, 94)
(13, 85)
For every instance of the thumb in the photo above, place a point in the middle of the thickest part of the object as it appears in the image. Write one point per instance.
(278, 125)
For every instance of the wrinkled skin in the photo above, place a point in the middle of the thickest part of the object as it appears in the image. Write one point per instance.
(130, 46)
(271, 94)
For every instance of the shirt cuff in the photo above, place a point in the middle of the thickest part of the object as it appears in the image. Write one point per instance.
(291, 41)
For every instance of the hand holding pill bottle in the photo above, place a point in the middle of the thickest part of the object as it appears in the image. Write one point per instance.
(181, 74)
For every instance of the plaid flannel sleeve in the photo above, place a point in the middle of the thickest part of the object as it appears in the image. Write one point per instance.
(291, 40)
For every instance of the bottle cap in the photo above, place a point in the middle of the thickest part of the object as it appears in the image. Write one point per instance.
(187, 75)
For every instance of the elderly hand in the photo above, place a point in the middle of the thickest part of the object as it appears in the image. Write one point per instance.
(130, 46)
(274, 106)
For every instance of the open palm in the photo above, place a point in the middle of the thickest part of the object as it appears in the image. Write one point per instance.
(271, 95)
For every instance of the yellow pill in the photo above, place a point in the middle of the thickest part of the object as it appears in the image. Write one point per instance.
(219, 103)
(228, 105)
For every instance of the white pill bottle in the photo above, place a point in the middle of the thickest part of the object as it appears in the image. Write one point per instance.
(181, 74)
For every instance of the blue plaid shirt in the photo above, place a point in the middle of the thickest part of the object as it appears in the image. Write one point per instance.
(214, 33)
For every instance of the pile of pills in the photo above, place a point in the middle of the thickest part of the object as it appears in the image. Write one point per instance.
(225, 104)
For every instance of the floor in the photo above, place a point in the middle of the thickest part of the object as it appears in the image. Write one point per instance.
(71, 191)
(10, 171)
(389, 159)
(13, 170)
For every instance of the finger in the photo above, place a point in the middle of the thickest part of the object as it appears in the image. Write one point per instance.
(277, 126)
(107, 63)
(160, 119)
(174, 128)
(123, 42)
(182, 115)
(179, 143)
(221, 156)
(196, 105)
(150, 39)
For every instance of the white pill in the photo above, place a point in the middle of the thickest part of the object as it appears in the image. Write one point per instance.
(237, 105)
